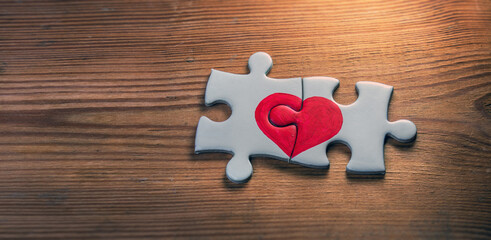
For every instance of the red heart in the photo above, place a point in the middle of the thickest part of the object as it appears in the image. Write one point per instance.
(318, 120)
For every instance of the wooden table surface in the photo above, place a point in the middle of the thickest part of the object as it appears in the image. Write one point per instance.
(99, 103)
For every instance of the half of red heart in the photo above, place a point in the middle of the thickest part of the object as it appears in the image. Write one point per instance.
(284, 136)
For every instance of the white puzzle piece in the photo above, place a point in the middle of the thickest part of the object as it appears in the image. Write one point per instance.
(240, 134)
(364, 128)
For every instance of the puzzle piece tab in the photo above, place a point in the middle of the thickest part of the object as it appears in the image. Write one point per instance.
(318, 121)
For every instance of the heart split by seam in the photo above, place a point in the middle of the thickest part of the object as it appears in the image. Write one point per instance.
(297, 126)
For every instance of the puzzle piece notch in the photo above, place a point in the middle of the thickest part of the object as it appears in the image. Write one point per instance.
(364, 129)
(240, 134)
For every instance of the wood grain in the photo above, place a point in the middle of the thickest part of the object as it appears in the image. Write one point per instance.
(99, 101)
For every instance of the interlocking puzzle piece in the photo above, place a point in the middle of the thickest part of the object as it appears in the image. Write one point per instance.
(240, 134)
(364, 126)
(271, 117)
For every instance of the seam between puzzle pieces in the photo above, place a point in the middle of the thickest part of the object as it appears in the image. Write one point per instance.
(296, 126)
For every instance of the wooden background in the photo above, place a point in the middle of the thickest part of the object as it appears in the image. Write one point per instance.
(99, 103)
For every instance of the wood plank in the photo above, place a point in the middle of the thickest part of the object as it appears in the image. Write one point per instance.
(99, 102)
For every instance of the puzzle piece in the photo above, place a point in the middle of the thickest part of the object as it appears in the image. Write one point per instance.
(364, 129)
(240, 134)
(271, 117)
